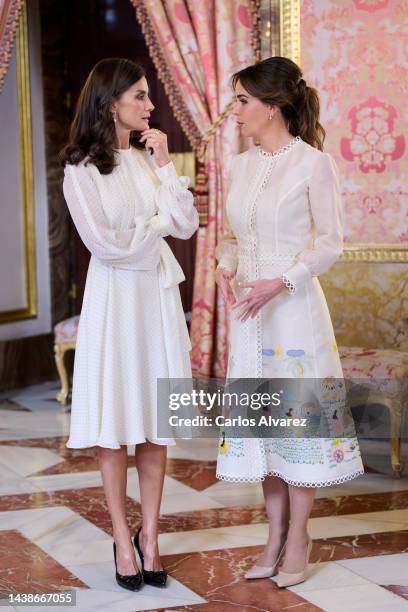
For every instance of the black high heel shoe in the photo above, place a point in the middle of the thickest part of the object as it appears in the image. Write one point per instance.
(133, 582)
(157, 578)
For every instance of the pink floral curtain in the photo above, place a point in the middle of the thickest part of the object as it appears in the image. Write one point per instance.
(9, 16)
(196, 46)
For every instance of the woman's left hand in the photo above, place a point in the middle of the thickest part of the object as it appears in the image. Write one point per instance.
(261, 292)
(157, 140)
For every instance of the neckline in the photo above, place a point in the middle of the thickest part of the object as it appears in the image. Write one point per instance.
(280, 151)
(123, 150)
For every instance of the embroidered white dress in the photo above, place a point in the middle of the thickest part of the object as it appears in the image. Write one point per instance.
(132, 328)
(284, 218)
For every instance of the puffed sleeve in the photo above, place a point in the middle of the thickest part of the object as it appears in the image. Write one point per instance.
(326, 210)
(136, 248)
(177, 213)
(226, 251)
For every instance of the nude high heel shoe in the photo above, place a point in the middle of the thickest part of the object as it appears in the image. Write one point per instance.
(262, 571)
(285, 579)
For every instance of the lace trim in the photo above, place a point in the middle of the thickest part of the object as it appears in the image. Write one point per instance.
(282, 150)
(254, 259)
(269, 256)
(294, 483)
(291, 287)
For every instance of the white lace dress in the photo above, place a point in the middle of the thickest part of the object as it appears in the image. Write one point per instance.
(132, 328)
(284, 219)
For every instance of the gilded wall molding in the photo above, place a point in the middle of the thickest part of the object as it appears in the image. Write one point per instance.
(380, 253)
(289, 18)
(26, 169)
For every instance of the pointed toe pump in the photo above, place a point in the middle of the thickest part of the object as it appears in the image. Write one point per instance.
(154, 578)
(132, 582)
(286, 579)
(264, 571)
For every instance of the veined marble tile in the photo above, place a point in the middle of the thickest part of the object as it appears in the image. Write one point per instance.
(24, 434)
(231, 494)
(177, 497)
(368, 483)
(61, 533)
(198, 449)
(91, 600)
(187, 502)
(17, 424)
(257, 533)
(357, 598)
(399, 516)
(101, 576)
(60, 528)
(38, 396)
(212, 539)
(383, 570)
(14, 486)
(16, 519)
(7, 472)
(327, 575)
(356, 524)
(57, 482)
(171, 486)
(251, 493)
(27, 460)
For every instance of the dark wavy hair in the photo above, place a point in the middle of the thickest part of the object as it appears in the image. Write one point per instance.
(92, 134)
(278, 81)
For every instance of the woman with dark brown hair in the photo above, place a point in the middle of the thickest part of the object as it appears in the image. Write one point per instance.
(283, 229)
(123, 201)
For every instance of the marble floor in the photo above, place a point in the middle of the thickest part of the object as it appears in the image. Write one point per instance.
(56, 533)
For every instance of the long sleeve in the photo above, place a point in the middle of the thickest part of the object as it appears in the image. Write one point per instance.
(177, 214)
(135, 248)
(325, 206)
(226, 251)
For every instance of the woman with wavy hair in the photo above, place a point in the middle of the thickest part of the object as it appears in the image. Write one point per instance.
(284, 229)
(124, 196)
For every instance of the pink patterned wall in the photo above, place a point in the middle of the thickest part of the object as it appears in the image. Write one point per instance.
(355, 53)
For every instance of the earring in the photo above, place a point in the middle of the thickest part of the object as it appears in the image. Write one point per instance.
(114, 116)
(270, 116)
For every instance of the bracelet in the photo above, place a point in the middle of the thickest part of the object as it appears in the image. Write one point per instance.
(290, 286)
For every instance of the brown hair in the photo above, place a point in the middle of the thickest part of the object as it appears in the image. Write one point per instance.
(92, 133)
(278, 81)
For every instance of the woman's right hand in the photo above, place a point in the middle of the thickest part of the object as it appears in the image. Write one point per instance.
(223, 278)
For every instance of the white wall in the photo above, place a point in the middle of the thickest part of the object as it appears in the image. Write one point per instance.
(12, 266)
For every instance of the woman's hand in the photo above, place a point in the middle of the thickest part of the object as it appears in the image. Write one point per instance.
(262, 291)
(223, 279)
(157, 140)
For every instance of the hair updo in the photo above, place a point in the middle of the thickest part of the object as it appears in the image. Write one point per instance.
(277, 81)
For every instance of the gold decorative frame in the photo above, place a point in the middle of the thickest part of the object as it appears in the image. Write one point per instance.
(289, 31)
(279, 30)
(26, 164)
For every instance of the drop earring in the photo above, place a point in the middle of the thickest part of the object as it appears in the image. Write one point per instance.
(114, 116)
(270, 116)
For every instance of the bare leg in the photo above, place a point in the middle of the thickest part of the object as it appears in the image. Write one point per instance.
(113, 465)
(151, 465)
(301, 502)
(277, 508)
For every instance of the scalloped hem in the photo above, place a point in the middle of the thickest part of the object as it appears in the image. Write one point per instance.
(294, 483)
